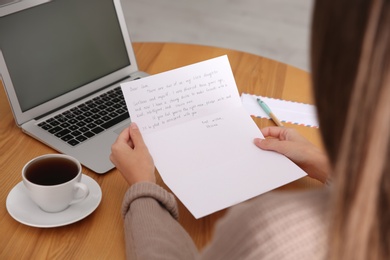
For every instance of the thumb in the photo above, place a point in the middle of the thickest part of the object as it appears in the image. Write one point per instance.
(136, 136)
(273, 144)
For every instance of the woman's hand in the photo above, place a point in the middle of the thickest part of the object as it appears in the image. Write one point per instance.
(131, 156)
(298, 149)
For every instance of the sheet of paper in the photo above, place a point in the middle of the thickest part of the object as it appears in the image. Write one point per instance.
(201, 137)
(287, 111)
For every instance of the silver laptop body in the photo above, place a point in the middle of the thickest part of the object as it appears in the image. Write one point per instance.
(56, 55)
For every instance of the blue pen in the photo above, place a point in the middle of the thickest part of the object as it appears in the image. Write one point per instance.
(268, 111)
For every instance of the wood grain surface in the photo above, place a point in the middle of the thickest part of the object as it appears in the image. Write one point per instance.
(100, 235)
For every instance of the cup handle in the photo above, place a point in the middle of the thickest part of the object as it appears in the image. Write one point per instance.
(85, 192)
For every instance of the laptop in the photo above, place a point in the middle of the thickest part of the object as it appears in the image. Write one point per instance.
(61, 64)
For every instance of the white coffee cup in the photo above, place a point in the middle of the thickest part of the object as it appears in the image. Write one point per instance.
(53, 181)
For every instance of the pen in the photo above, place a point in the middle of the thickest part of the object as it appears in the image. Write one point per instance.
(268, 111)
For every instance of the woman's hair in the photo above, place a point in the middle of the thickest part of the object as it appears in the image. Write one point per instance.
(350, 58)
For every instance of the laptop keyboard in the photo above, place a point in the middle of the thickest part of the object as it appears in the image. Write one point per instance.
(80, 123)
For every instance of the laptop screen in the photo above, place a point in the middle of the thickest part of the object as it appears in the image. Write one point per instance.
(57, 47)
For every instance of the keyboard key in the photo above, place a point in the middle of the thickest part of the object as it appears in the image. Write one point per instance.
(65, 125)
(73, 142)
(81, 124)
(99, 102)
(97, 130)
(76, 111)
(55, 129)
(68, 114)
(83, 108)
(95, 110)
(88, 114)
(72, 121)
(88, 120)
(91, 125)
(83, 129)
(80, 117)
(67, 138)
(54, 122)
(50, 120)
(62, 133)
(45, 126)
(89, 134)
(81, 138)
(115, 121)
(113, 114)
(98, 122)
(76, 133)
(106, 118)
(73, 127)
(60, 118)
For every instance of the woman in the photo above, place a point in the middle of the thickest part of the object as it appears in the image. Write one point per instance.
(351, 220)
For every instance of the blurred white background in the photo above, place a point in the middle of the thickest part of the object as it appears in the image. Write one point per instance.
(276, 29)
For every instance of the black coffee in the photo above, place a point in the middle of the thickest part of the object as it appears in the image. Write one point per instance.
(51, 171)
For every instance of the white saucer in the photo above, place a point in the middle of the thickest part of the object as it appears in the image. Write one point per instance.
(24, 210)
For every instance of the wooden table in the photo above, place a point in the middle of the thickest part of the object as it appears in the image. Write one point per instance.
(100, 235)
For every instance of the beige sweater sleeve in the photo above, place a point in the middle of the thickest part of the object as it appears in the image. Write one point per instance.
(277, 225)
(151, 227)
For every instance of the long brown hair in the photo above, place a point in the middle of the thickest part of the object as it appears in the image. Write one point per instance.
(350, 50)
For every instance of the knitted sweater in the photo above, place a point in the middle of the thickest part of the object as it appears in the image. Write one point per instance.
(276, 225)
